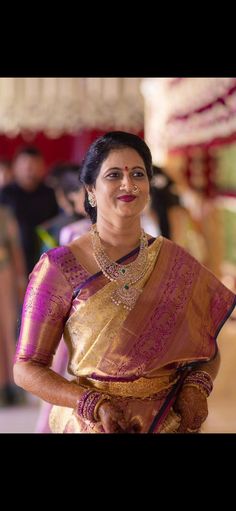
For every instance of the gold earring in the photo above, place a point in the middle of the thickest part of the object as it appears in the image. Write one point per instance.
(92, 200)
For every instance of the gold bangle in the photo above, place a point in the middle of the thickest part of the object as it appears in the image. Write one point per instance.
(102, 399)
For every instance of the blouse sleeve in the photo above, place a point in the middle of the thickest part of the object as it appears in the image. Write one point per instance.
(46, 307)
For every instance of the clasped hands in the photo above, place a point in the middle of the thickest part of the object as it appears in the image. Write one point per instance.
(112, 416)
(191, 405)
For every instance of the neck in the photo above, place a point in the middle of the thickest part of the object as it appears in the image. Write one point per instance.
(122, 232)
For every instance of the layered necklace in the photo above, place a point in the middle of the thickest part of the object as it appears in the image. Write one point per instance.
(126, 276)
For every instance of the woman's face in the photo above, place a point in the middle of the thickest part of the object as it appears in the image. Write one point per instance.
(121, 173)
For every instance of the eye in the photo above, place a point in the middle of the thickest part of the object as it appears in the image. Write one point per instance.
(113, 175)
(139, 173)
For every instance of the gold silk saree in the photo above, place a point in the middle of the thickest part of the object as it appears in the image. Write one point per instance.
(142, 356)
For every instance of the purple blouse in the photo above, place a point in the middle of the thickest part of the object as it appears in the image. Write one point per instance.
(47, 304)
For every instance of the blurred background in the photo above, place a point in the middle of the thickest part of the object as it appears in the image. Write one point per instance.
(46, 126)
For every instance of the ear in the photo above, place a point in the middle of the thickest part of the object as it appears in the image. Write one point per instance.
(89, 188)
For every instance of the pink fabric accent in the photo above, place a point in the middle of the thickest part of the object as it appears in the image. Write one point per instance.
(47, 304)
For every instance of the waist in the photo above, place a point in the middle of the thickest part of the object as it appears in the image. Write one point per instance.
(143, 388)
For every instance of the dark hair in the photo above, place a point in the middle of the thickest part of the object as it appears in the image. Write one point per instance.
(70, 182)
(98, 152)
(57, 176)
(163, 197)
(28, 151)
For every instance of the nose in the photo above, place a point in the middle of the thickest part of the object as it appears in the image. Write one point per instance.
(126, 183)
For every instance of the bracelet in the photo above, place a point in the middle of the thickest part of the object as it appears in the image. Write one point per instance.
(81, 402)
(88, 405)
(200, 379)
(102, 399)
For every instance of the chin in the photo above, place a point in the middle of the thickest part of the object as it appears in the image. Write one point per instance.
(128, 213)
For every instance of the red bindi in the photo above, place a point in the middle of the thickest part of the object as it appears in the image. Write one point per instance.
(126, 168)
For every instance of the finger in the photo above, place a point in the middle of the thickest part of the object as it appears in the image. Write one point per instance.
(135, 428)
(113, 423)
(182, 427)
(113, 428)
(109, 425)
(123, 423)
(119, 418)
(116, 428)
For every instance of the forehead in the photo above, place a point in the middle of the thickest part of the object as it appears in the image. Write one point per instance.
(122, 158)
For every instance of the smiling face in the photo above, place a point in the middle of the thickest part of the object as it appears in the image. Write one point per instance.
(122, 186)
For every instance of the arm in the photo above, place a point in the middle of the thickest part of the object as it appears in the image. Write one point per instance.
(45, 310)
(191, 403)
(41, 381)
(46, 307)
(53, 388)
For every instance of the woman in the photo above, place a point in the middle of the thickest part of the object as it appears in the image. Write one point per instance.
(140, 332)
(12, 290)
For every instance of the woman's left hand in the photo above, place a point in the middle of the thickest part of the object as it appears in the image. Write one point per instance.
(191, 404)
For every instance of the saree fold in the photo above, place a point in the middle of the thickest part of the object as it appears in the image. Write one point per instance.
(139, 355)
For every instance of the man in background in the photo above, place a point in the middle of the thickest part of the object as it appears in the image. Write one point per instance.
(31, 201)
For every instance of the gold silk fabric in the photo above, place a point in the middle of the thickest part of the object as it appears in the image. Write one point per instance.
(135, 356)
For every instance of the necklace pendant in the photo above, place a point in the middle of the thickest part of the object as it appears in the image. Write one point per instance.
(125, 275)
(126, 295)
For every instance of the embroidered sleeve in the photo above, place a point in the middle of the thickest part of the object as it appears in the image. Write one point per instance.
(46, 307)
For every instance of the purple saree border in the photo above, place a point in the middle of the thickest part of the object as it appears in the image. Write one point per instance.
(225, 318)
(169, 400)
(99, 273)
(218, 331)
(221, 325)
(94, 376)
(186, 369)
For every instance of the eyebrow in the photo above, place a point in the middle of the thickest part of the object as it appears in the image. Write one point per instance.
(121, 169)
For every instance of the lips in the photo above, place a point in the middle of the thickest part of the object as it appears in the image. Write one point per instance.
(126, 198)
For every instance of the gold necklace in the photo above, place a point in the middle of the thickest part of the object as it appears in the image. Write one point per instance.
(125, 275)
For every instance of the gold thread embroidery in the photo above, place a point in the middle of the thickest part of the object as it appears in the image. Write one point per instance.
(142, 388)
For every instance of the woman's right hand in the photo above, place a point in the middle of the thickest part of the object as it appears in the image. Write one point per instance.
(113, 419)
(191, 404)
